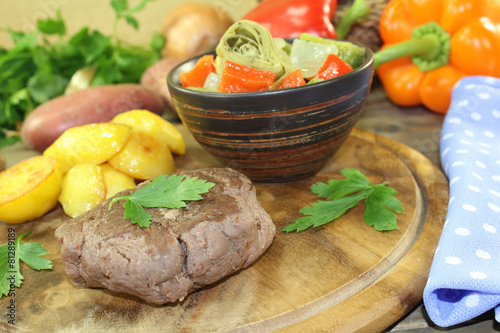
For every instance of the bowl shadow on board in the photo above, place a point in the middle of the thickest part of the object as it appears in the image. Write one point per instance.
(278, 135)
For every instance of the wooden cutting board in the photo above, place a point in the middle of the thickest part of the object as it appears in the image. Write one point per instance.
(341, 277)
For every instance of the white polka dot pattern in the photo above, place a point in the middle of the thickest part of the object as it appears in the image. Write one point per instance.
(464, 280)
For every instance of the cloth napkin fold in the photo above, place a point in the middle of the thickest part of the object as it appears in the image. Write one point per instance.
(464, 281)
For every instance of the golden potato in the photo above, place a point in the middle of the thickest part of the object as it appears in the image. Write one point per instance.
(82, 189)
(29, 189)
(115, 180)
(143, 157)
(155, 126)
(91, 143)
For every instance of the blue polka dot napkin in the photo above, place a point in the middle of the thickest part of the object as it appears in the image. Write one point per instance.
(464, 281)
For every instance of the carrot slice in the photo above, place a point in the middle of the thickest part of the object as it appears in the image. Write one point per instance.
(197, 75)
(238, 78)
(293, 79)
(332, 67)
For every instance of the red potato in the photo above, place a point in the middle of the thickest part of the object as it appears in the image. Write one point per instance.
(155, 78)
(92, 105)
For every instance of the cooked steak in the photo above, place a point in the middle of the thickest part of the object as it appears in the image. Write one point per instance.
(182, 250)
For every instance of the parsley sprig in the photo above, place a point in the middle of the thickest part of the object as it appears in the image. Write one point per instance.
(10, 257)
(344, 194)
(167, 192)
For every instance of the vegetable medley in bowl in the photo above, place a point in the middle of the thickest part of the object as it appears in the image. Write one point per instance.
(273, 109)
(248, 59)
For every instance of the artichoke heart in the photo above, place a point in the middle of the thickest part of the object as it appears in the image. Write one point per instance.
(249, 44)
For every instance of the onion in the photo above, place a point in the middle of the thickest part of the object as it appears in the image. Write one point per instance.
(193, 28)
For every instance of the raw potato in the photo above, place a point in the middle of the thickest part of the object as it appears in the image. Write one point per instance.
(143, 157)
(29, 189)
(155, 126)
(115, 180)
(92, 105)
(82, 189)
(92, 143)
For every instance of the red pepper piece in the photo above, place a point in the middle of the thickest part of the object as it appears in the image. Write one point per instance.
(237, 78)
(197, 75)
(332, 67)
(290, 18)
(293, 79)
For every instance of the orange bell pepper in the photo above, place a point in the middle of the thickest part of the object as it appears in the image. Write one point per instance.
(431, 44)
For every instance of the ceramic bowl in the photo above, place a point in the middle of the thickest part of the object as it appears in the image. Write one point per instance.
(279, 135)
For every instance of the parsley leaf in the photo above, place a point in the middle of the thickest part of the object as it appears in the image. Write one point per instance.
(123, 11)
(379, 206)
(171, 192)
(344, 194)
(51, 26)
(10, 256)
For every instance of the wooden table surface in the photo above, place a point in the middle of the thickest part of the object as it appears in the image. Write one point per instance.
(415, 127)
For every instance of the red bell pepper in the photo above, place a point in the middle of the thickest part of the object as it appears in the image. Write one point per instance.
(290, 18)
(334, 66)
(293, 79)
(196, 77)
(238, 78)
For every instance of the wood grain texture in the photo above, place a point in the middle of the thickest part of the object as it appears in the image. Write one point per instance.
(341, 277)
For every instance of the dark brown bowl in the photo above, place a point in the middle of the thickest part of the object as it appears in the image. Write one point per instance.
(279, 135)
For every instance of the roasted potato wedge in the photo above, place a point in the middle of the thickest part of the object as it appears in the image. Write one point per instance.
(115, 181)
(83, 188)
(155, 126)
(143, 157)
(29, 189)
(91, 143)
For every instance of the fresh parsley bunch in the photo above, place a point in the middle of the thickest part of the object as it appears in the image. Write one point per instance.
(37, 69)
(344, 194)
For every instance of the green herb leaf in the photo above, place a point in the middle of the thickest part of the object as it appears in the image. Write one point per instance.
(45, 85)
(91, 44)
(171, 192)
(51, 26)
(123, 11)
(344, 194)
(132, 22)
(137, 214)
(140, 6)
(157, 41)
(10, 256)
(337, 188)
(4, 142)
(119, 5)
(379, 208)
(323, 212)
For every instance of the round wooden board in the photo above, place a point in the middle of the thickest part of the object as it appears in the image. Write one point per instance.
(341, 277)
